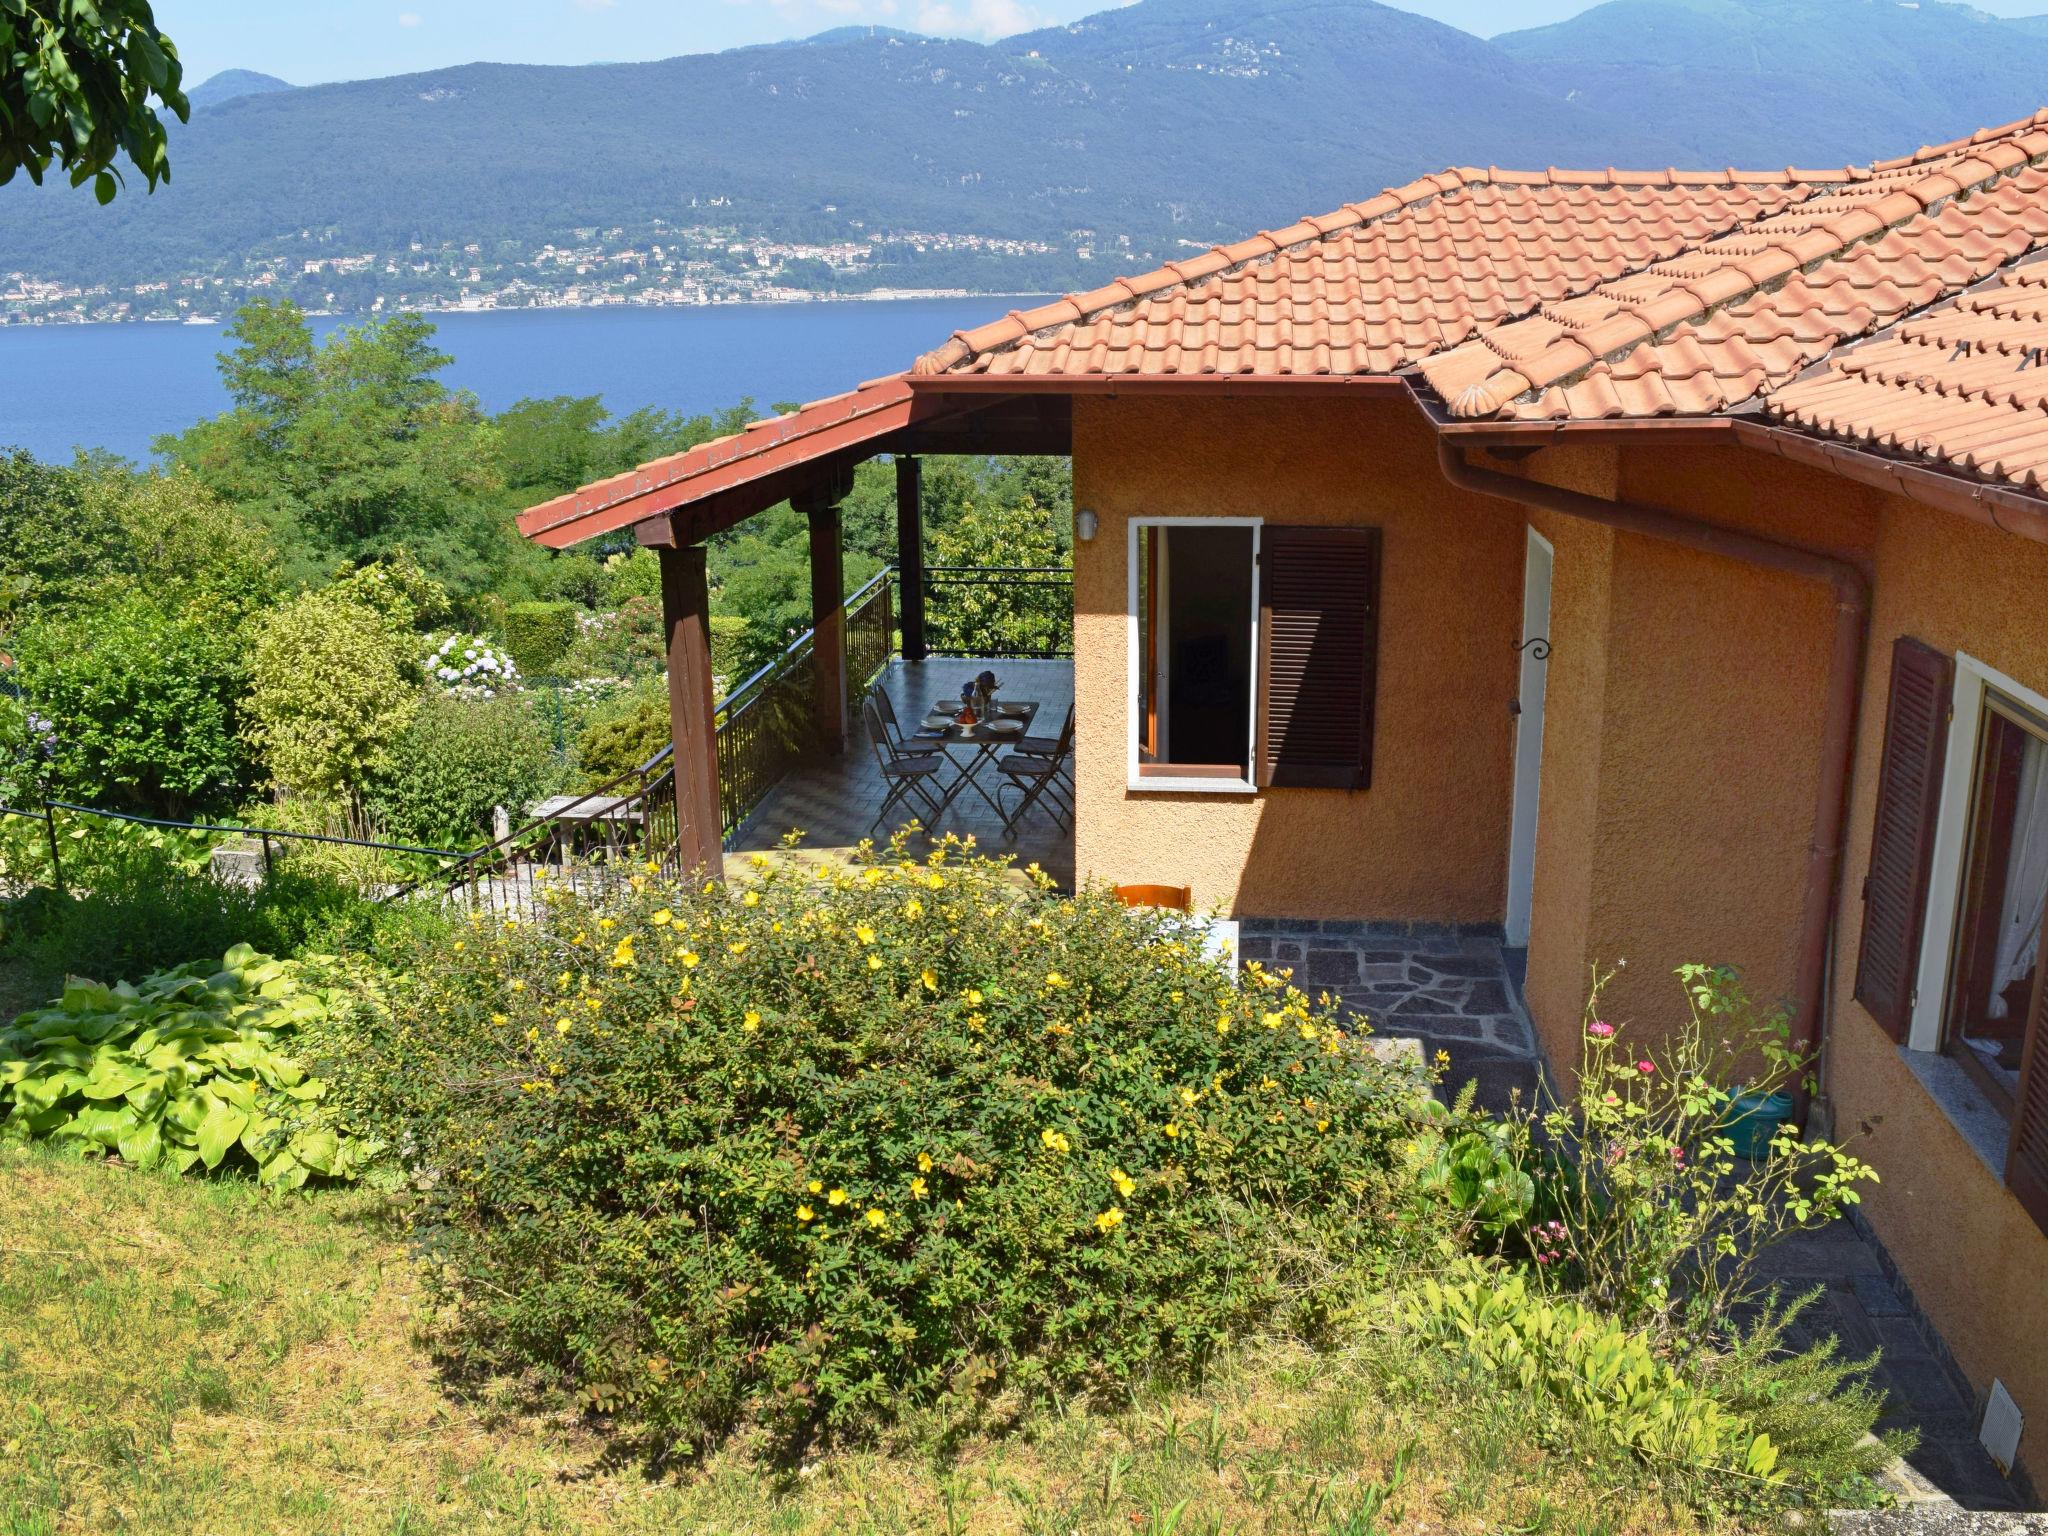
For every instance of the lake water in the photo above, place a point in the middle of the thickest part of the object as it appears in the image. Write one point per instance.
(118, 386)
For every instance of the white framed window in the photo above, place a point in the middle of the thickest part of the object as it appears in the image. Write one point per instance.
(1193, 633)
(1988, 879)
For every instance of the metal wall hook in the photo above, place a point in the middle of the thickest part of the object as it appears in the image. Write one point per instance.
(1538, 648)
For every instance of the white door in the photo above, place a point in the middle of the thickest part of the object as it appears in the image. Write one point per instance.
(1529, 736)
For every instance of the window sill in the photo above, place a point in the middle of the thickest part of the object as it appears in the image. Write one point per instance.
(1957, 1095)
(1155, 784)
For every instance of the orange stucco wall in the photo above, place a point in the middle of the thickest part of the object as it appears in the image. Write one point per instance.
(1681, 749)
(1428, 840)
(1976, 1262)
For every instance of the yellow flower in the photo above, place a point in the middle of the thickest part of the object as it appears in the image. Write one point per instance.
(498, 1018)
(518, 986)
(1173, 1130)
(562, 1026)
(973, 998)
(1322, 1125)
(874, 962)
(924, 1162)
(1308, 1031)
(815, 1187)
(1055, 979)
(459, 945)
(877, 1218)
(1110, 1219)
(1054, 1141)
(1187, 1095)
(864, 933)
(606, 925)
(752, 1020)
(804, 1213)
(662, 918)
(1125, 1184)
(751, 899)
(1223, 1026)
(935, 880)
(918, 1187)
(1273, 1020)
(739, 948)
(687, 959)
(1443, 1058)
(837, 1197)
(930, 979)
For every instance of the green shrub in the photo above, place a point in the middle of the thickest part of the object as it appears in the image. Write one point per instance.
(333, 685)
(188, 1069)
(624, 733)
(728, 649)
(1632, 1192)
(144, 705)
(1604, 1377)
(815, 1151)
(456, 760)
(539, 635)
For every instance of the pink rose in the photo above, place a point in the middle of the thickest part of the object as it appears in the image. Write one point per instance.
(1599, 1029)
(1646, 1067)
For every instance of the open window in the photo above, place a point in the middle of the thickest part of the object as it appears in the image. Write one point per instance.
(1955, 917)
(1254, 653)
(1195, 591)
(2004, 900)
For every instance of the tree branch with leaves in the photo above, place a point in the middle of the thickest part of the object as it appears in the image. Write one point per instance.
(76, 82)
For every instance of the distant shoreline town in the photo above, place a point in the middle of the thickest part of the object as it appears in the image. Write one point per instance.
(691, 266)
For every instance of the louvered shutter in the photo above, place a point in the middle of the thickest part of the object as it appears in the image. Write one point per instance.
(1902, 842)
(2026, 1160)
(1319, 595)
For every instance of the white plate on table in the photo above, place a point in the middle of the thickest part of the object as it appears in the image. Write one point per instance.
(1007, 727)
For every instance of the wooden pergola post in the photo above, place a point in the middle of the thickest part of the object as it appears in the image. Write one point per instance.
(828, 614)
(910, 554)
(686, 614)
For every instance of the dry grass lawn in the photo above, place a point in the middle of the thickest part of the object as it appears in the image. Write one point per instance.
(185, 1356)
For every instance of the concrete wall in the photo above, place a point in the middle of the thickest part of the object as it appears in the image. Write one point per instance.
(1429, 839)
(1976, 1262)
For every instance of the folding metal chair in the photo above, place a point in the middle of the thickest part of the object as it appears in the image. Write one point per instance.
(904, 774)
(1038, 777)
(894, 731)
(1060, 748)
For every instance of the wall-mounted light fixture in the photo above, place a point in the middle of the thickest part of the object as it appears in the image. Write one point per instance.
(1086, 523)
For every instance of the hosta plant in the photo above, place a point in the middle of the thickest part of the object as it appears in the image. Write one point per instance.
(190, 1068)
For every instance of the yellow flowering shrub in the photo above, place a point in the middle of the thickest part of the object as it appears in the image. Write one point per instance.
(813, 1149)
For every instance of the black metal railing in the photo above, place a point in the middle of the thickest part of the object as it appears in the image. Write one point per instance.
(999, 611)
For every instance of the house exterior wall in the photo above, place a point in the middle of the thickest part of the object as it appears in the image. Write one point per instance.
(1682, 735)
(1976, 1262)
(1428, 840)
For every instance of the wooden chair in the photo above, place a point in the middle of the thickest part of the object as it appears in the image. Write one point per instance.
(905, 774)
(1168, 898)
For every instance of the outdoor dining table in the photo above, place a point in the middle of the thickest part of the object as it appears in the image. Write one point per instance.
(939, 729)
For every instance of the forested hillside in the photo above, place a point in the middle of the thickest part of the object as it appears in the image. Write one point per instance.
(872, 159)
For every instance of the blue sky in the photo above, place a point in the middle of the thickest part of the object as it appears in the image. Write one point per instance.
(305, 41)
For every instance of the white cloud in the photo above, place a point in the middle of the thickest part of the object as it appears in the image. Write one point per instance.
(408, 18)
(594, 5)
(979, 18)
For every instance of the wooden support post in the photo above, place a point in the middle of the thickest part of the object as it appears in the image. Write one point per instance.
(686, 613)
(910, 553)
(828, 617)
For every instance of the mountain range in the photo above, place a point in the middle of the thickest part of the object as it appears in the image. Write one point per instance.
(1126, 138)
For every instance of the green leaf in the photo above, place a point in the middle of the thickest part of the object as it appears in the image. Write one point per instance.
(220, 1130)
(143, 1146)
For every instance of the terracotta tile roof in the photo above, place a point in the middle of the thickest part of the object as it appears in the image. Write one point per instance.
(726, 463)
(1965, 384)
(1710, 328)
(1380, 284)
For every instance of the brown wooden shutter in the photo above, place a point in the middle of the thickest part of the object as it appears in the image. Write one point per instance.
(2026, 1160)
(1319, 598)
(1902, 842)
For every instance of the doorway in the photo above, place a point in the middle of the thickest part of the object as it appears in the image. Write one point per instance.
(1530, 688)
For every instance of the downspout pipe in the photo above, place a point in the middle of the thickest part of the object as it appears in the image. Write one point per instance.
(1821, 895)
